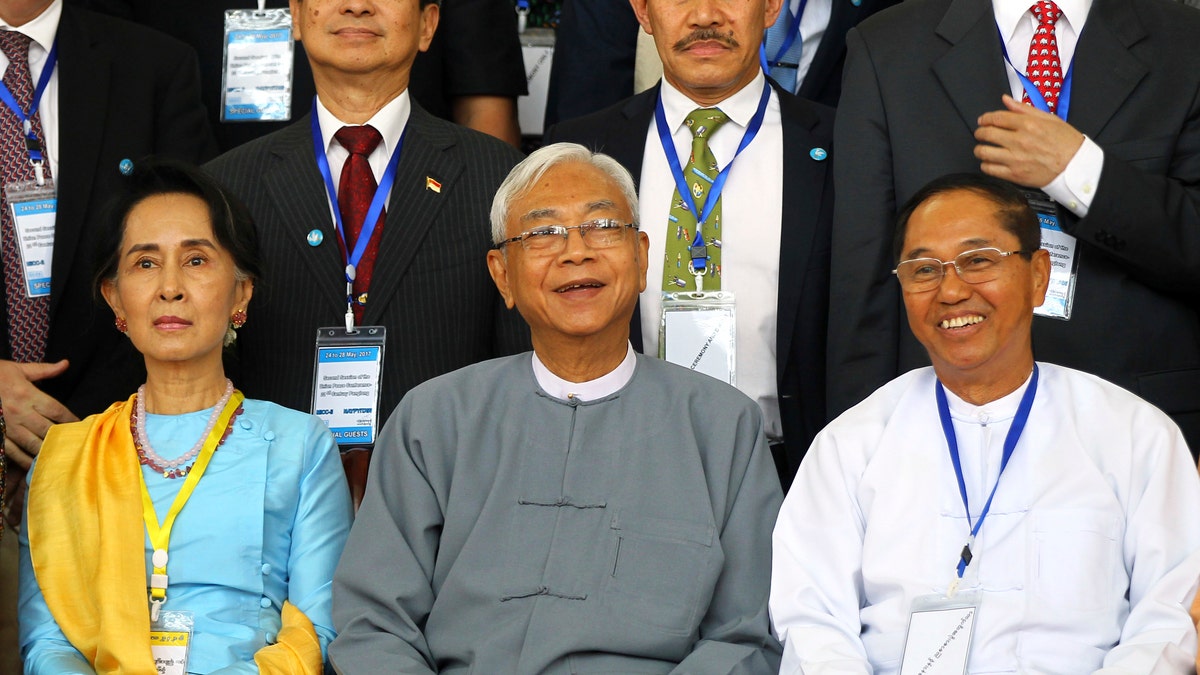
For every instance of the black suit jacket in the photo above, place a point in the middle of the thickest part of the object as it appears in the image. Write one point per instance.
(620, 131)
(430, 285)
(124, 92)
(917, 78)
(823, 82)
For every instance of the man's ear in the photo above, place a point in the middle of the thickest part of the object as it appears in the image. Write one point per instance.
(498, 268)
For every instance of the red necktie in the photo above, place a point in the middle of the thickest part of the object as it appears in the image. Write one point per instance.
(28, 318)
(355, 192)
(1043, 67)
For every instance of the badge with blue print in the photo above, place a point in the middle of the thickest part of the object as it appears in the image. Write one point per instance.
(256, 83)
(347, 379)
(33, 209)
(1064, 259)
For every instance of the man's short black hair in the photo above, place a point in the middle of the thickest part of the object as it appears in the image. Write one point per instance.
(1012, 208)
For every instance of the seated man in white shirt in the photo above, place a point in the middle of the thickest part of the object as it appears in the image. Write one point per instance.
(1048, 521)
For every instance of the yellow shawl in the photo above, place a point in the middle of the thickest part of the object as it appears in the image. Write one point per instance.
(87, 543)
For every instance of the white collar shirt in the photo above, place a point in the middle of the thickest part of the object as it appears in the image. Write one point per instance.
(602, 386)
(751, 216)
(42, 31)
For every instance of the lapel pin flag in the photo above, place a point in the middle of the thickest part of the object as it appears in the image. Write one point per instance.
(432, 184)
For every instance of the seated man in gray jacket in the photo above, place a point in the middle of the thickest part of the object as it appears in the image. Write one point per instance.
(582, 508)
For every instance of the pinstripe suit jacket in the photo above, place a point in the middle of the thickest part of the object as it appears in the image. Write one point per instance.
(430, 285)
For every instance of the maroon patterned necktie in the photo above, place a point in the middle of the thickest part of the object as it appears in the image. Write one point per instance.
(356, 189)
(1044, 67)
(28, 318)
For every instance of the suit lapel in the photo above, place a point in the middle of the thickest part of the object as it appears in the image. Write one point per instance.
(1104, 72)
(298, 192)
(842, 16)
(83, 89)
(804, 180)
(972, 69)
(413, 206)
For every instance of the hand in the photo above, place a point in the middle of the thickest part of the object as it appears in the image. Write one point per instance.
(29, 412)
(1024, 145)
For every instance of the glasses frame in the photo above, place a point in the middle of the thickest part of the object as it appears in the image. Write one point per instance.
(564, 231)
(958, 270)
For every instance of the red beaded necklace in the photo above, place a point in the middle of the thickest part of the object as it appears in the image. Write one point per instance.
(145, 458)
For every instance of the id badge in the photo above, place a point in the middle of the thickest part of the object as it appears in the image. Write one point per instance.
(1064, 261)
(256, 78)
(33, 208)
(697, 331)
(170, 640)
(347, 380)
(939, 634)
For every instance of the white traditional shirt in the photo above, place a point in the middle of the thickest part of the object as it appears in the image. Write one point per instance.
(1088, 557)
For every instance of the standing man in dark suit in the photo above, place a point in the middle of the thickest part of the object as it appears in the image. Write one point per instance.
(923, 97)
(116, 91)
(775, 208)
(429, 286)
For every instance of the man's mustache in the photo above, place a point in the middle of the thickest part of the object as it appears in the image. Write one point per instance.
(706, 34)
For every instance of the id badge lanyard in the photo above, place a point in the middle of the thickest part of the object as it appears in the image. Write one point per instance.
(160, 535)
(1035, 95)
(793, 34)
(33, 145)
(377, 204)
(698, 265)
(1010, 443)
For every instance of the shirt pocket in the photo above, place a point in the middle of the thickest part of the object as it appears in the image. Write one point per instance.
(1076, 552)
(661, 569)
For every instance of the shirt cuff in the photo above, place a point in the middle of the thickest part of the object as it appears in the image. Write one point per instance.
(1075, 187)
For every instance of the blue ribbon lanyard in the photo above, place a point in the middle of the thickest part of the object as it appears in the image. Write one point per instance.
(792, 34)
(714, 193)
(372, 219)
(1010, 443)
(32, 144)
(1035, 95)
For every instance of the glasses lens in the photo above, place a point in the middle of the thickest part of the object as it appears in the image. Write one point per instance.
(544, 239)
(979, 265)
(919, 274)
(602, 233)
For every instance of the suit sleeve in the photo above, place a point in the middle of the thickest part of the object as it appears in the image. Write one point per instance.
(181, 123)
(379, 614)
(1148, 221)
(735, 634)
(864, 305)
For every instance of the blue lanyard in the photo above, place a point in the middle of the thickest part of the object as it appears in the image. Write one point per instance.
(792, 34)
(32, 144)
(714, 193)
(1010, 443)
(377, 202)
(1035, 95)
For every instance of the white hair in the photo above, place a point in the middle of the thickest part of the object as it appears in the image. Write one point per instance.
(523, 176)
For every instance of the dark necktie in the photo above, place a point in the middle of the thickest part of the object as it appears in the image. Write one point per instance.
(355, 192)
(1044, 68)
(28, 318)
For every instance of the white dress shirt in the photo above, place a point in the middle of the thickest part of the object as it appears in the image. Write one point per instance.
(813, 23)
(1088, 556)
(751, 213)
(42, 31)
(389, 122)
(1075, 187)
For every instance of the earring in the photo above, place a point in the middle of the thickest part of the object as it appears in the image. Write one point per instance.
(239, 318)
(119, 322)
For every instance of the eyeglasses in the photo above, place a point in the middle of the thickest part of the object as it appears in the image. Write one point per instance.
(552, 239)
(974, 267)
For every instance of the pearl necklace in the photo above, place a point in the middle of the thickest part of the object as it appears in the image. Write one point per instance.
(169, 469)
